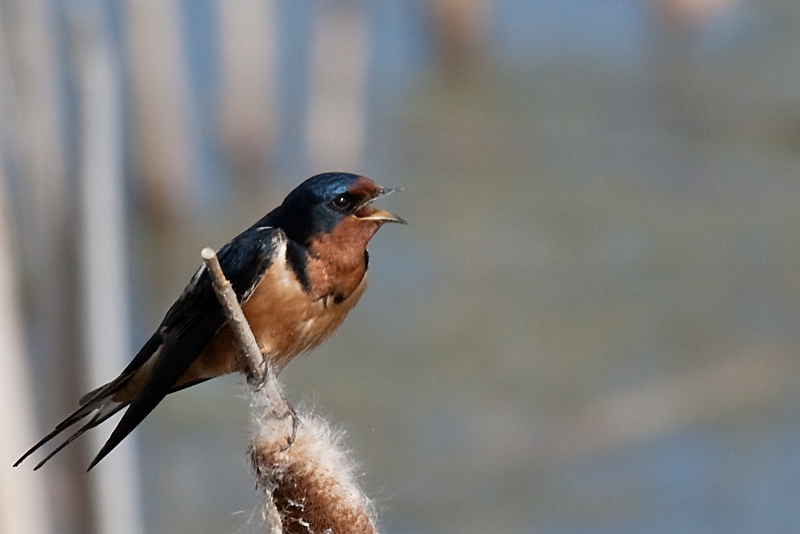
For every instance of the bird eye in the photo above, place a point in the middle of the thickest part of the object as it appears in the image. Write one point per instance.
(342, 202)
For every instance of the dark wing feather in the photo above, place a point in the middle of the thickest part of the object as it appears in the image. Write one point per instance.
(193, 321)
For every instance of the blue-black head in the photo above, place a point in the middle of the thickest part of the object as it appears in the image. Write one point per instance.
(319, 204)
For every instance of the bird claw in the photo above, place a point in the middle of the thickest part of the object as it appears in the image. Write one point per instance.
(257, 377)
(290, 412)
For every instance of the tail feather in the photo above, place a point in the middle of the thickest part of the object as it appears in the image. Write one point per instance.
(76, 416)
(105, 411)
(98, 399)
(96, 393)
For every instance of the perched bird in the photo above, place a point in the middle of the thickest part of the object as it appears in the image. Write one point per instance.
(296, 273)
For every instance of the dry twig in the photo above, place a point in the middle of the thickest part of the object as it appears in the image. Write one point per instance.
(236, 319)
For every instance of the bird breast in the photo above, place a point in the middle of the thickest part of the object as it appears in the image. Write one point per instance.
(286, 320)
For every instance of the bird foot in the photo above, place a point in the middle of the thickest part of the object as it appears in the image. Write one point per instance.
(290, 412)
(257, 377)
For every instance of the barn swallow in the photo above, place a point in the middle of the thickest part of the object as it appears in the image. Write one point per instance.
(297, 272)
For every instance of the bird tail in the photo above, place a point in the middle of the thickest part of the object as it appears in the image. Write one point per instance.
(99, 400)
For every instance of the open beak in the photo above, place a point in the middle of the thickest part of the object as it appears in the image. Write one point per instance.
(369, 213)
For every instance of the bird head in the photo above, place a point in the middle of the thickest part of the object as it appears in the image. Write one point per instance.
(330, 201)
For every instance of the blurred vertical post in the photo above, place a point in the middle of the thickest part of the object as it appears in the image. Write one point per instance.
(677, 105)
(249, 48)
(677, 24)
(23, 503)
(686, 16)
(461, 30)
(33, 134)
(161, 106)
(115, 488)
(336, 127)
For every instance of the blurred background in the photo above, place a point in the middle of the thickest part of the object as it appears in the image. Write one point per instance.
(590, 325)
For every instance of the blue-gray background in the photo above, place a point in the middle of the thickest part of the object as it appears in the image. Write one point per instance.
(590, 324)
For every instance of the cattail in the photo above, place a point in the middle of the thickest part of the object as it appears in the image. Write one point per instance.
(311, 484)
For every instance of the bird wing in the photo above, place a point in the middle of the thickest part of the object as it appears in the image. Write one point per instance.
(194, 320)
(187, 328)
